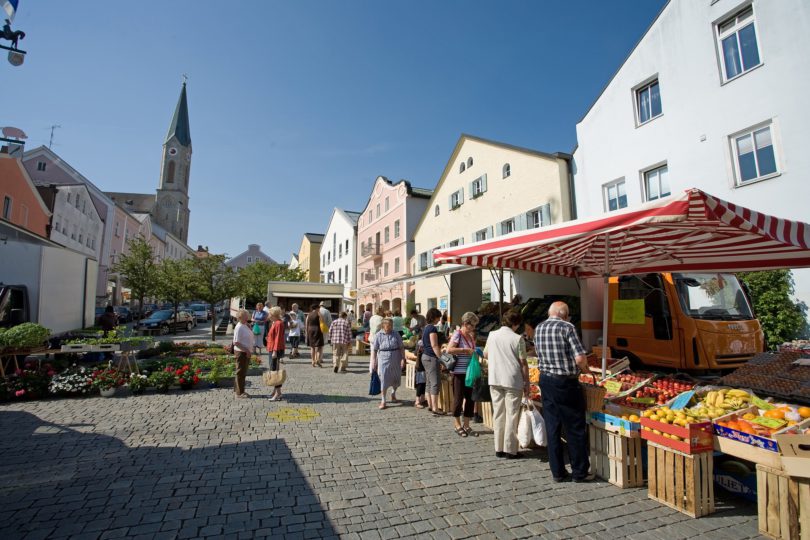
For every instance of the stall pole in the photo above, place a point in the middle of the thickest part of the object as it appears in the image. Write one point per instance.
(605, 300)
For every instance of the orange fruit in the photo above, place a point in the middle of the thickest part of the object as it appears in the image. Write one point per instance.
(804, 412)
(733, 425)
(775, 413)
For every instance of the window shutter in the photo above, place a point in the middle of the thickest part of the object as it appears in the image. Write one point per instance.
(490, 232)
(461, 240)
(460, 196)
(545, 215)
(483, 183)
(430, 258)
(520, 222)
(450, 201)
(470, 189)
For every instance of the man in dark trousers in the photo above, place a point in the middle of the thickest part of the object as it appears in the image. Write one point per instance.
(562, 356)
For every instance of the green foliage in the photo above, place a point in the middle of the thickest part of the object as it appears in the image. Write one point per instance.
(175, 280)
(24, 336)
(213, 282)
(254, 277)
(161, 380)
(118, 335)
(138, 269)
(782, 319)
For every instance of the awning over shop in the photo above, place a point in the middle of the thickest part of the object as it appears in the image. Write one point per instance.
(293, 294)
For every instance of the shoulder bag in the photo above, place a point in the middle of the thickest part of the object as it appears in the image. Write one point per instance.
(448, 361)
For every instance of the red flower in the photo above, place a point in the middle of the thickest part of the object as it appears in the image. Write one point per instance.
(196, 379)
(182, 381)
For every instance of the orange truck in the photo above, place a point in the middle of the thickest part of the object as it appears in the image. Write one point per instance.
(683, 321)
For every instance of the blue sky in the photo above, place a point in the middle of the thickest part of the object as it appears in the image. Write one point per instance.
(297, 106)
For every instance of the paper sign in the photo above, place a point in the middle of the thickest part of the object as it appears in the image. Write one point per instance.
(761, 403)
(802, 362)
(628, 312)
(773, 423)
(644, 400)
(682, 400)
(614, 387)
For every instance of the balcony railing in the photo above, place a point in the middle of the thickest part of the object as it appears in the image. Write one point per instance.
(370, 249)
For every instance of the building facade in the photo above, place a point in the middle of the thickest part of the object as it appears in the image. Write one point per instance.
(251, 255)
(22, 204)
(488, 189)
(385, 230)
(309, 256)
(338, 254)
(76, 222)
(712, 97)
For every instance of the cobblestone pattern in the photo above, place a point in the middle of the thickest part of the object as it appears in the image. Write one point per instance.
(202, 464)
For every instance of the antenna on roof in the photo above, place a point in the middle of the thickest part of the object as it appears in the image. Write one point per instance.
(53, 127)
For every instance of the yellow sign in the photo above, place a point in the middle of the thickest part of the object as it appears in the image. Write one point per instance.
(628, 312)
(288, 414)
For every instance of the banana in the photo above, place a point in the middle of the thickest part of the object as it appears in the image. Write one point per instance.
(709, 399)
(738, 393)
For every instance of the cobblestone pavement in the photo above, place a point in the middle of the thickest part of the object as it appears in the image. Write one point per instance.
(323, 463)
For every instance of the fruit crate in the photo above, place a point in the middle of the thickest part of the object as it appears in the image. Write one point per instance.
(695, 438)
(410, 374)
(684, 482)
(783, 504)
(614, 365)
(615, 458)
(446, 393)
(486, 413)
(615, 424)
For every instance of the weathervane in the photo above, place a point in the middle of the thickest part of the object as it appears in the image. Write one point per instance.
(15, 56)
(185, 78)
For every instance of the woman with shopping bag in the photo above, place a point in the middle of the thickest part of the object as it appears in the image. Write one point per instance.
(462, 346)
(508, 371)
(275, 350)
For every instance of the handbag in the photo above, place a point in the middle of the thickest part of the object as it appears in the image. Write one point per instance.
(375, 386)
(324, 328)
(275, 378)
(256, 329)
(480, 391)
(448, 361)
(525, 433)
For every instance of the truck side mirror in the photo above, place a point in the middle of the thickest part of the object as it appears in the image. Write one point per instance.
(16, 317)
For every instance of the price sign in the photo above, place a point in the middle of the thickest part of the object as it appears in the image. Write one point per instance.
(614, 387)
(643, 400)
(773, 423)
(682, 400)
(761, 403)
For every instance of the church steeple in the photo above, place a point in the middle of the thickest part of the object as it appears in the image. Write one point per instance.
(179, 126)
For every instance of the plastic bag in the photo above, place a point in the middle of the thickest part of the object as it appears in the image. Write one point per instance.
(473, 371)
(538, 426)
(375, 386)
(525, 434)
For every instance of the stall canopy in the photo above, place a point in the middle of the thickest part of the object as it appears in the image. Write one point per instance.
(691, 232)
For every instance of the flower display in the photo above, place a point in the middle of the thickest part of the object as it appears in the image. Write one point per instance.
(74, 381)
(105, 379)
(138, 382)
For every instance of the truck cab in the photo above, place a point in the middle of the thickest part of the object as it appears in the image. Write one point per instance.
(13, 305)
(691, 321)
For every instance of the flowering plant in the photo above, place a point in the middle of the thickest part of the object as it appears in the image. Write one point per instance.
(104, 379)
(30, 382)
(186, 376)
(138, 382)
(73, 381)
(162, 380)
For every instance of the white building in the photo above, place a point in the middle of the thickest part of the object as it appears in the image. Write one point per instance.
(489, 189)
(714, 96)
(338, 254)
(77, 222)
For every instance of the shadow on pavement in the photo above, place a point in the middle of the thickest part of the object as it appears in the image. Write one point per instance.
(57, 481)
(315, 398)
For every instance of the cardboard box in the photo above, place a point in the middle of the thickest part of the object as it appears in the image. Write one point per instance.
(795, 454)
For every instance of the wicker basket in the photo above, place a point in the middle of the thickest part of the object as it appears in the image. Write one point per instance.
(594, 396)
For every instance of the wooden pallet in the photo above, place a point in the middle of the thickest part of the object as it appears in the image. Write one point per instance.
(486, 412)
(410, 374)
(783, 504)
(616, 458)
(681, 481)
(446, 394)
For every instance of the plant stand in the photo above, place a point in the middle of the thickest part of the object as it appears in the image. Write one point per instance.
(446, 394)
(410, 374)
(125, 360)
(783, 504)
(9, 357)
(681, 481)
(615, 458)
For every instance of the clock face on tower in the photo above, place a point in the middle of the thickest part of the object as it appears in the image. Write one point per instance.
(172, 151)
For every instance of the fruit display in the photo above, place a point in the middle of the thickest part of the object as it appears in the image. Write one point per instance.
(763, 425)
(534, 391)
(676, 429)
(784, 374)
(717, 403)
(534, 375)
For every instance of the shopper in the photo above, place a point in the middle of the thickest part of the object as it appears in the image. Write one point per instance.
(417, 322)
(430, 360)
(315, 337)
(340, 335)
(388, 359)
(367, 316)
(294, 324)
(108, 320)
(259, 322)
(508, 376)
(560, 353)
(243, 342)
(462, 346)
(275, 346)
(399, 322)
(374, 324)
(326, 317)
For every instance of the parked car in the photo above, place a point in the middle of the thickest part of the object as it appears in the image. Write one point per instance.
(148, 309)
(165, 321)
(190, 314)
(124, 314)
(201, 312)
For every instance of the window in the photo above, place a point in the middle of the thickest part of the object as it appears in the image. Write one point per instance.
(116, 229)
(456, 199)
(648, 102)
(40, 165)
(507, 170)
(478, 186)
(656, 183)
(483, 234)
(340, 251)
(615, 196)
(385, 269)
(346, 272)
(436, 210)
(737, 43)
(469, 162)
(340, 277)
(73, 234)
(396, 265)
(77, 201)
(378, 210)
(462, 167)
(68, 197)
(369, 216)
(250, 259)
(80, 238)
(453, 243)
(56, 224)
(539, 217)
(396, 229)
(347, 247)
(386, 204)
(387, 234)
(170, 173)
(423, 261)
(755, 157)
(508, 226)
(7, 207)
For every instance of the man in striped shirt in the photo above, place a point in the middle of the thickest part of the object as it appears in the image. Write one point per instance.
(340, 334)
(561, 357)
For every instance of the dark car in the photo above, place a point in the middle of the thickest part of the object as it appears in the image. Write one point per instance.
(124, 314)
(164, 321)
(148, 309)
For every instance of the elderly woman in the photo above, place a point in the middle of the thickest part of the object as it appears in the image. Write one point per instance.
(259, 321)
(243, 343)
(462, 346)
(275, 346)
(315, 335)
(388, 359)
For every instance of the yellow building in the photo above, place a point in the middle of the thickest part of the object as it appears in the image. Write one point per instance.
(309, 259)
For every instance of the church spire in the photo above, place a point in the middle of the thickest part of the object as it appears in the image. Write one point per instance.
(179, 126)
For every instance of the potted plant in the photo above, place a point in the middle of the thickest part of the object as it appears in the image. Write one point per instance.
(187, 377)
(74, 381)
(138, 383)
(162, 380)
(107, 380)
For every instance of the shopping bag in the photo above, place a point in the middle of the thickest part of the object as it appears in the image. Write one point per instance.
(275, 378)
(480, 391)
(324, 329)
(256, 329)
(538, 426)
(473, 371)
(375, 386)
(448, 361)
(525, 434)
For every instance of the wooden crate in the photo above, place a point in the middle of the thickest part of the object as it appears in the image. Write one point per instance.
(360, 346)
(783, 504)
(410, 374)
(486, 412)
(615, 458)
(446, 394)
(681, 481)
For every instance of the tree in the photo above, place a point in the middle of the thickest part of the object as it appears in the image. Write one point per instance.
(213, 282)
(175, 280)
(782, 318)
(254, 277)
(137, 269)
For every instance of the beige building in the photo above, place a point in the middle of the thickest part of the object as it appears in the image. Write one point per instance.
(489, 189)
(309, 256)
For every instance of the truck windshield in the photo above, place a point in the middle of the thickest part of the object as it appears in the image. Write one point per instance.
(712, 296)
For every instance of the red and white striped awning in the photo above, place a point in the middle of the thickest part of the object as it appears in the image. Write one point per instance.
(692, 232)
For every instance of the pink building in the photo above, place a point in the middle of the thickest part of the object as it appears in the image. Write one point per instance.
(385, 243)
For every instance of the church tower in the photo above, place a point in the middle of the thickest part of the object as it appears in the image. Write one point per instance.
(171, 204)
